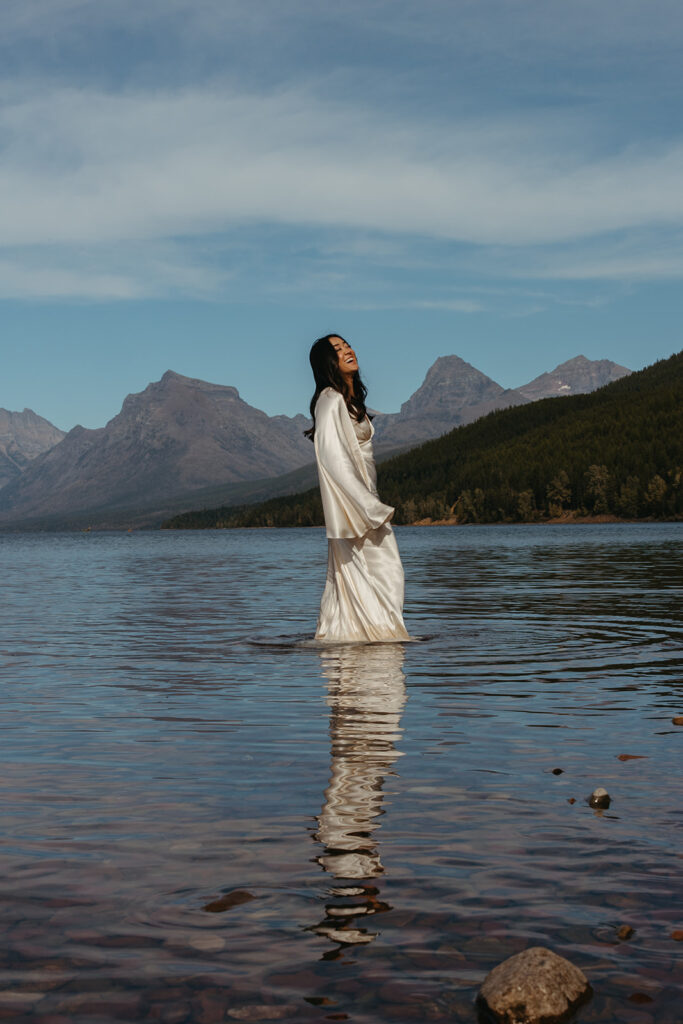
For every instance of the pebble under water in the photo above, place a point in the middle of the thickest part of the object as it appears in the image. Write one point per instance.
(208, 818)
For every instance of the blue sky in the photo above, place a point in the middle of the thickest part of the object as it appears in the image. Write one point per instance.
(208, 185)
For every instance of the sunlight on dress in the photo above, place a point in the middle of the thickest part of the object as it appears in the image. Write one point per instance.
(363, 595)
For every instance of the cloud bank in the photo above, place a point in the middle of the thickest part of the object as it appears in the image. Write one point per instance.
(128, 187)
(83, 167)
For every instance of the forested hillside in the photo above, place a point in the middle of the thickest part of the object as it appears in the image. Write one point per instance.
(616, 451)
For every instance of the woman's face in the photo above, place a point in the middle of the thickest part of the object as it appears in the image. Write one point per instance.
(348, 364)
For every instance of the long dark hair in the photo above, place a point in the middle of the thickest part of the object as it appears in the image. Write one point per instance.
(325, 365)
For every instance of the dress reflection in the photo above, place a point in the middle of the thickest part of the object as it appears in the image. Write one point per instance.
(366, 696)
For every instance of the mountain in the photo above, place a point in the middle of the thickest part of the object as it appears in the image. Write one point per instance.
(23, 436)
(176, 436)
(577, 376)
(452, 393)
(616, 451)
(455, 393)
(184, 442)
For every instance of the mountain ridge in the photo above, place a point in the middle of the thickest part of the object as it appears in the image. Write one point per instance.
(577, 376)
(174, 436)
(453, 392)
(181, 435)
(616, 451)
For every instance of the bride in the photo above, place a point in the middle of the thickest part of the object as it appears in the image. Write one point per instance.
(363, 596)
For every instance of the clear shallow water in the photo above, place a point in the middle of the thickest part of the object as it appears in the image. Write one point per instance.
(375, 826)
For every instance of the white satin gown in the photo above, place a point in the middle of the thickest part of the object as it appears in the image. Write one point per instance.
(363, 595)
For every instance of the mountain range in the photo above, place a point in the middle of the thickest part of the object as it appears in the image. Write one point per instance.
(176, 436)
(183, 440)
(617, 452)
(455, 393)
(23, 436)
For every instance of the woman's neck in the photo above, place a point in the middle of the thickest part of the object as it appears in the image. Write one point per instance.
(347, 384)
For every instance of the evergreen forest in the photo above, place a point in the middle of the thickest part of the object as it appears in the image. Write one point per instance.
(615, 452)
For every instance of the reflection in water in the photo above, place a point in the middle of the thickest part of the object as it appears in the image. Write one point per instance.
(366, 694)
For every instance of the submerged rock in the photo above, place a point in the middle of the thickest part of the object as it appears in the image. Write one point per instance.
(231, 899)
(599, 798)
(269, 1012)
(640, 998)
(533, 987)
(625, 932)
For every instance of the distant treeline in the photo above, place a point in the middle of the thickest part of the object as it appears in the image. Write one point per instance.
(617, 451)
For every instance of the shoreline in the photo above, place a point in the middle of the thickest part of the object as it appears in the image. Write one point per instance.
(569, 519)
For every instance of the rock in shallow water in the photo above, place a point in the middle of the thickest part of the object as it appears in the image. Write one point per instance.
(533, 987)
(599, 798)
(230, 899)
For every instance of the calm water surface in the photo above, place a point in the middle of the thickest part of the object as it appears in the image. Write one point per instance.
(206, 819)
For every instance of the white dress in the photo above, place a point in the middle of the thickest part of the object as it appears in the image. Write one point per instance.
(363, 596)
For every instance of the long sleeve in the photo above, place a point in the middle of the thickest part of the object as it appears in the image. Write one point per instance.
(350, 502)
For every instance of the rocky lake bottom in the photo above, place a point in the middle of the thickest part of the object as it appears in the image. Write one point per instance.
(208, 818)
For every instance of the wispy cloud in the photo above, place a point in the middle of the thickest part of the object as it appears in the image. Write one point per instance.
(20, 281)
(654, 252)
(643, 267)
(119, 271)
(81, 166)
(452, 305)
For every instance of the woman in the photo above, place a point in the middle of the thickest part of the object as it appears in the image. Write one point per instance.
(363, 596)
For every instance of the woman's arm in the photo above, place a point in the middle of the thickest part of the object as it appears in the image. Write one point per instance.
(351, 506)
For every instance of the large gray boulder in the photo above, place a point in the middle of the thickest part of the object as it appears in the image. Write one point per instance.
(533, 987)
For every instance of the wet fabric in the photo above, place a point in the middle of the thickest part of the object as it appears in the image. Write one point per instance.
(363, 595)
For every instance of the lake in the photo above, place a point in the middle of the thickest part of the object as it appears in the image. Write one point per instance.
(208, 819)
